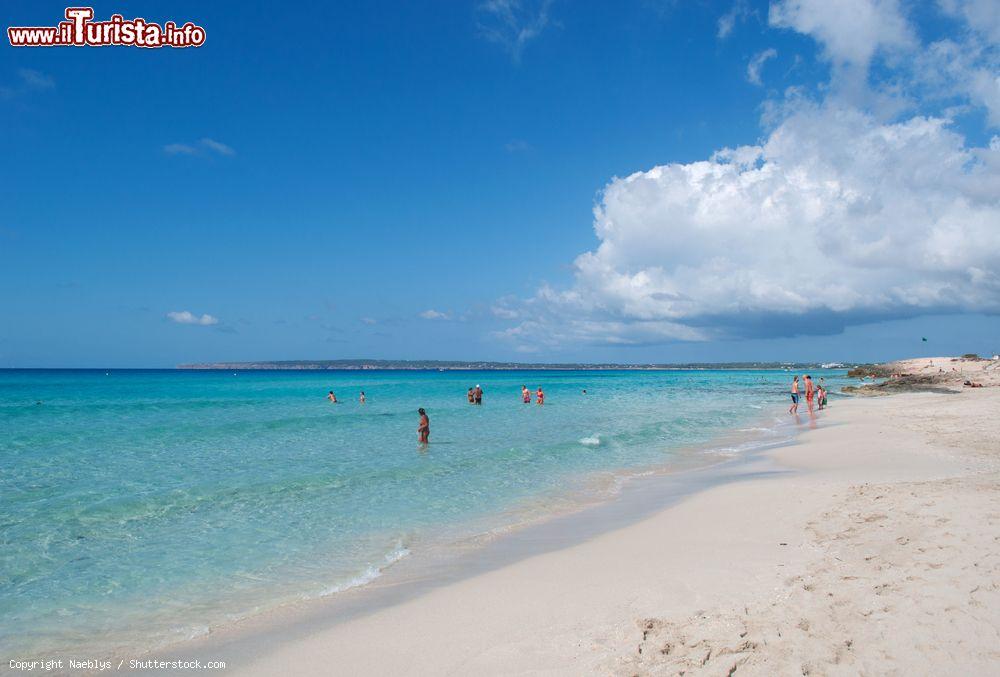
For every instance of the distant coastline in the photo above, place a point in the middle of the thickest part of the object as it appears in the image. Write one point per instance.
(454, 365)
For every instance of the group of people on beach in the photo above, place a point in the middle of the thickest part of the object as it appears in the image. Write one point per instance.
(813, 391)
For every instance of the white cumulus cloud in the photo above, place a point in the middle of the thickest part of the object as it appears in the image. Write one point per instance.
(187, 317)
(850, 31)
(431, 314)
(967, 68)
(836, 218)
(858, 205)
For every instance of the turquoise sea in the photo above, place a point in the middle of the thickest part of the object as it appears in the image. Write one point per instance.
(139, 508)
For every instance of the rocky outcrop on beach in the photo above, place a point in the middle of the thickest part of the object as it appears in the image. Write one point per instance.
(933, 374)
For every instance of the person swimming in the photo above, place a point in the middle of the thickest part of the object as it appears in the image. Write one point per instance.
(424, 428)
(333, 398)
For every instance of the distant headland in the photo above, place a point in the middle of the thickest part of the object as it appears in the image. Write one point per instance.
(457, 365)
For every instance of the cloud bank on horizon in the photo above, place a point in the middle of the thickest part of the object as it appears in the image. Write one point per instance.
(862, 203)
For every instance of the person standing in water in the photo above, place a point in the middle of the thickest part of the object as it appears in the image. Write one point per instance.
(810, 391)
(362, 399)
(424, 429)
(478, 392)
(333, 398)
(540, 395)
(795, 396)
(525, 395)
(472, 395)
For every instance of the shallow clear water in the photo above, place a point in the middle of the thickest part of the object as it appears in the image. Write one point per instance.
(141, 507)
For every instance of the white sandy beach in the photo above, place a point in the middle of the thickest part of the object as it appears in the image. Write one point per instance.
(880, 555)
(279, 316)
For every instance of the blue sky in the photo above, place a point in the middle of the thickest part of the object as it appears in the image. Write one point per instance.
(419, 180)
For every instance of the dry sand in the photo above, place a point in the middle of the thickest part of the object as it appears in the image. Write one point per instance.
(880, 555)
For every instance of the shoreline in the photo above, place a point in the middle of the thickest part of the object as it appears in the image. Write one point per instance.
(594, 605)
(622, 497)
(730, 431)
(598, 503)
